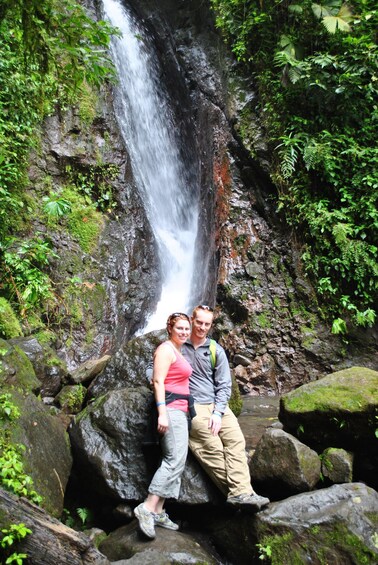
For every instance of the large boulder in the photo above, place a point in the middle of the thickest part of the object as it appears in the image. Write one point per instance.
(168, 548)
(128, 365)
(334, 525)
(282, 465)
(50, 370)
(47, 456)
(107, 439)
(338, 410)
(15, 369)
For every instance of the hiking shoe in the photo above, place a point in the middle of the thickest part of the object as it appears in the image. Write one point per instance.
(146, 521)
(253, 500)
(164, 521)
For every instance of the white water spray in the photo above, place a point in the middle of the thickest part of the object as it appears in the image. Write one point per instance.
(147, 127)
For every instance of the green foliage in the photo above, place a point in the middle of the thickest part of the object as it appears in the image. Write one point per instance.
(52, 53)
(23, 279)
(94, 184)
(56, 206)
(78, 518)
(12, 476)
(11, 535)
(315, 69)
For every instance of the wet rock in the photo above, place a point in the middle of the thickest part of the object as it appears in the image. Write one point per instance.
(333, 525)
(168, 548)
(71, 398)
(15, 368)
(47, 457)
(107, 441)
(337, 465)
(128, 365)
(90, 369)
(294, 468)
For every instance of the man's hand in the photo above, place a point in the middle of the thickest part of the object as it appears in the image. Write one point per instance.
(215, 423)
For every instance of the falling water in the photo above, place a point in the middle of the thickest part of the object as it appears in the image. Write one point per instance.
(147, 126)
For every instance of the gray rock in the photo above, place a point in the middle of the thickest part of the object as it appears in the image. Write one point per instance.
(331, 525)
(337, 465)
(90, 369)
(283, 465)
(107, 442)
(168, 548)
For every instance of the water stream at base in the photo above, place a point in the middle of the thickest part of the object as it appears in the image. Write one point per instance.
(147, 126)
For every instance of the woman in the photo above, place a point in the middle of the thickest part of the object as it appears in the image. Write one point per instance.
(171, 373)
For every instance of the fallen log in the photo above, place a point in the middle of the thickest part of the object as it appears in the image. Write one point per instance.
(51, 542)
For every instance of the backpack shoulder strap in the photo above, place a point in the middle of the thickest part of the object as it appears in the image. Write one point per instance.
(213, 352)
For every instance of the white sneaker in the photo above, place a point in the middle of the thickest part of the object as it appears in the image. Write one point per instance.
(146, 520)
(164, 521)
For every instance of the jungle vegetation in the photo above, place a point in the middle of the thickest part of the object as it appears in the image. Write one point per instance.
(52, 53)
(315, 69)
(314, 66)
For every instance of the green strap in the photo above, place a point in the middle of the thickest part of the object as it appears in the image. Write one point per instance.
(213, 352)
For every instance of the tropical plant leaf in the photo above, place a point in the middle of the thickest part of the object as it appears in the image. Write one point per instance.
(332, 23)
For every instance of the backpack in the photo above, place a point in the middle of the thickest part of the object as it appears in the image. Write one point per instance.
(213, 353)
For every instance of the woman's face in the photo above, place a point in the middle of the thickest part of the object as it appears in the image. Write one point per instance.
(180, 331)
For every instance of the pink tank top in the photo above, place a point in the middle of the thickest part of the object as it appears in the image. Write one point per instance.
(177, 380)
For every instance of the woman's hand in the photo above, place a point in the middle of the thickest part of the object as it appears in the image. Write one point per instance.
(162, 423)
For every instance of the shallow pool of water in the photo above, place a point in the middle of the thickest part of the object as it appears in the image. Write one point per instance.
(257, 414)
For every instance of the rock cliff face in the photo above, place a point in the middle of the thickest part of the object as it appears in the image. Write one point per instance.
(269, 321)
(248, 264)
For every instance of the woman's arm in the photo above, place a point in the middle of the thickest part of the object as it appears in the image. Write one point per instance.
(163, 358)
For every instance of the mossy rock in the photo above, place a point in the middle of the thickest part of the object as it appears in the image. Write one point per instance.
(9, 324)
(16, 369)
(338, 410)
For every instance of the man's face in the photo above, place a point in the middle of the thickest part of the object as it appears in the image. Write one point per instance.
(202, 323)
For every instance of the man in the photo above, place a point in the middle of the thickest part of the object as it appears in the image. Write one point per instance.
(216, 439)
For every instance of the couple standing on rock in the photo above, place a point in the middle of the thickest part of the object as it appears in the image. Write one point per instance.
(184, 371)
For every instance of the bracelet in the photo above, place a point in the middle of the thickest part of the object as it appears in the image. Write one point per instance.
(216, 413)
(160, 403)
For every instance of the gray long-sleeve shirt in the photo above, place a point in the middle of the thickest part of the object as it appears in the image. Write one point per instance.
(205, 384)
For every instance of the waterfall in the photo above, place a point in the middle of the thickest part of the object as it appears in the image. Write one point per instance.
(147, 126)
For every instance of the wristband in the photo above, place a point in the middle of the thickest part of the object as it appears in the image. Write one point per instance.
(216, 413)
(160, 403)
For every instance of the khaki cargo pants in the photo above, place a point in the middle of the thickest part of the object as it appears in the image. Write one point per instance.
(223, 457)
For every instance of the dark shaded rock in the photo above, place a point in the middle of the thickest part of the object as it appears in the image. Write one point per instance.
(107, 442)
(48, 367)
(50, 542)
(71, 398)
(128, 365)
(47, 457)
(334, 525)
(282, 465)
(168, 548)
(337, 465)
(90, 369)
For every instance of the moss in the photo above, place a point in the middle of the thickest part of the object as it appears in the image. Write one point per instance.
(235, 402)
(16, 369)
(9, 324)
(351, 390)
(87, 104)
(85, 224)
(71, 398)
(263, 321)
(359, 553)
